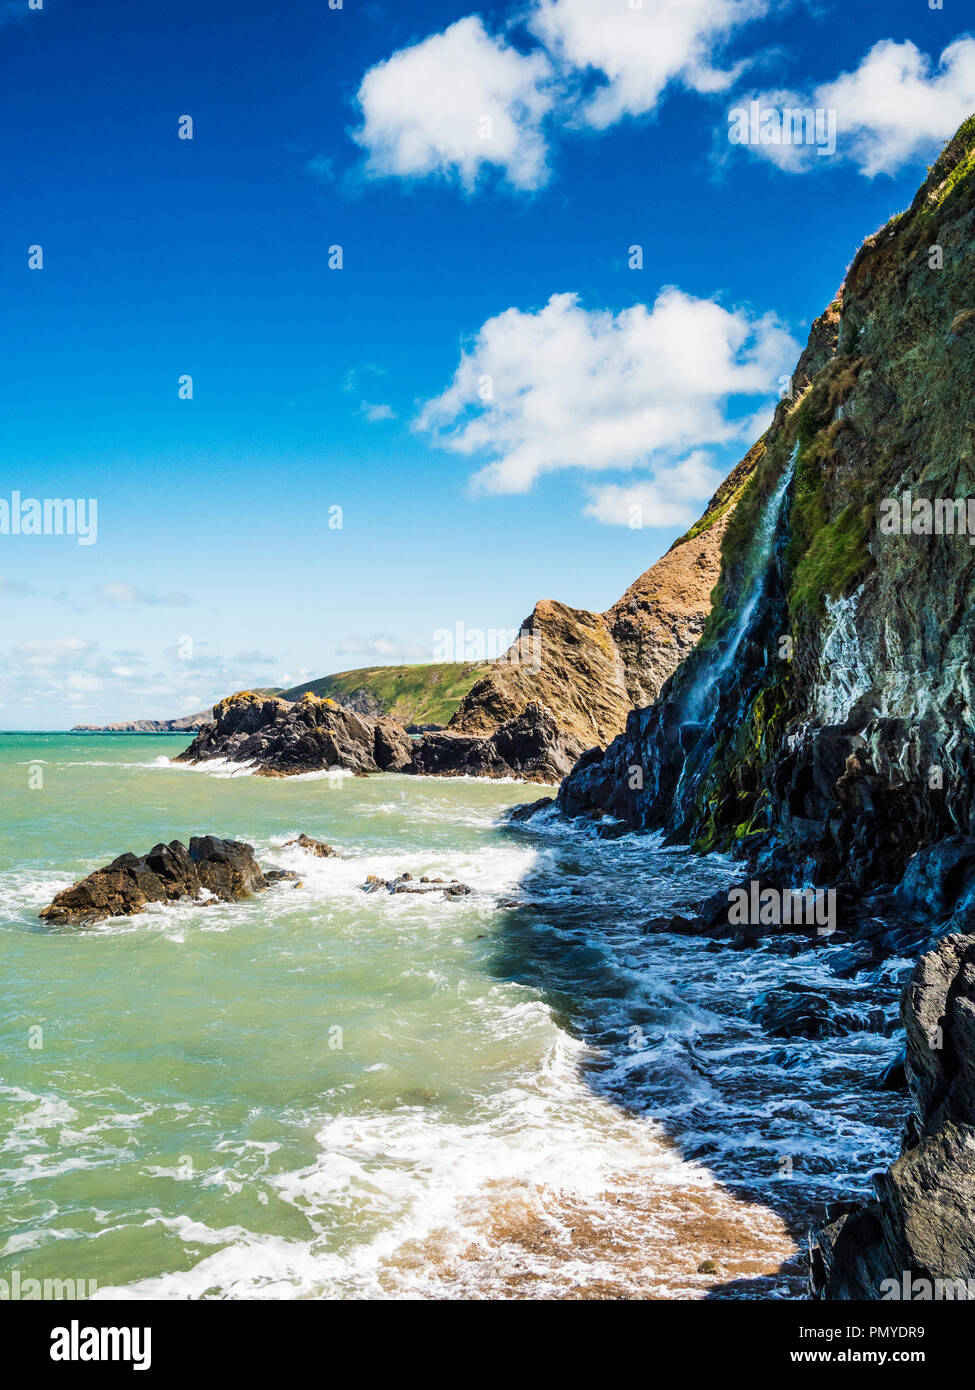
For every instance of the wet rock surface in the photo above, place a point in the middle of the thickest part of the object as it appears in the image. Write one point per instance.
(223, 869)
(407, 883)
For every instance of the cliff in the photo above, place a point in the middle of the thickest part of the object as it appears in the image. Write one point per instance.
(823, 724)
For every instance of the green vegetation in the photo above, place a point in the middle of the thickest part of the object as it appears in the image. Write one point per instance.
(962, 170)
(728, 494)
(827, 557)
(427, 694)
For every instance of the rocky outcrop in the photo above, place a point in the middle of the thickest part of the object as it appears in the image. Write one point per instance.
(280, 738)
(916, 1240)
(285, 738)
(210, 869)
(531, 746)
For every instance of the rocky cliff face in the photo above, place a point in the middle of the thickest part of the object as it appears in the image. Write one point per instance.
(823, 724)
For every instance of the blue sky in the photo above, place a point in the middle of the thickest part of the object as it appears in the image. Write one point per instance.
(469, 252)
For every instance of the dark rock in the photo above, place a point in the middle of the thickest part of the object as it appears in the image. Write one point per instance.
(531, 746)
(406, 883)
(283, 876)
(393, 747)
(280, 738)
(793, 1011)
(526, 809)
(678, 925)
(894, 1075)
(225, 869)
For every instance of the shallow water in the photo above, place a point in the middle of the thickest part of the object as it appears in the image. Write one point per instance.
(318, 1092)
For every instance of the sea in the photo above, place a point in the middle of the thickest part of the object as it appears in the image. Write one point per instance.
(320, 1092)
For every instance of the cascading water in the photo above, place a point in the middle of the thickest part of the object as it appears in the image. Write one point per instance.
(761, 555)
(708, 681)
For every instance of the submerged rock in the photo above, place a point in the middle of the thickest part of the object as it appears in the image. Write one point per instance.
(526, 809)
(794, 1011)
(406, 883)
(224, 869)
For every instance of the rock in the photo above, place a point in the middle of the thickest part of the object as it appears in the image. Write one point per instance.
(940, 882)
(526, 809)
(393, 747)
(283, 876)
(920, 1228)
(317, 847)
(793, 1011)
(678, 925)
(894, 1075)
(406, 883)
(531, 746)
(224, 869)
(282, 738)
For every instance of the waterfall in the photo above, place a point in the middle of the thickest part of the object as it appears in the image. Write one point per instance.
(762, 554)
(708, 681)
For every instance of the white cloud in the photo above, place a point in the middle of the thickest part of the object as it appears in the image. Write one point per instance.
(640, 50)
(671, 497)
(894, 109)
(455, 103)
(382, 645)
(593, 390)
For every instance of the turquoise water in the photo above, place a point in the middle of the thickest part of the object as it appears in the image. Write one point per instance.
(322, 1093)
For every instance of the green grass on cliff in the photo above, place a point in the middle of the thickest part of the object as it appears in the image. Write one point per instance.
(427, 694)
